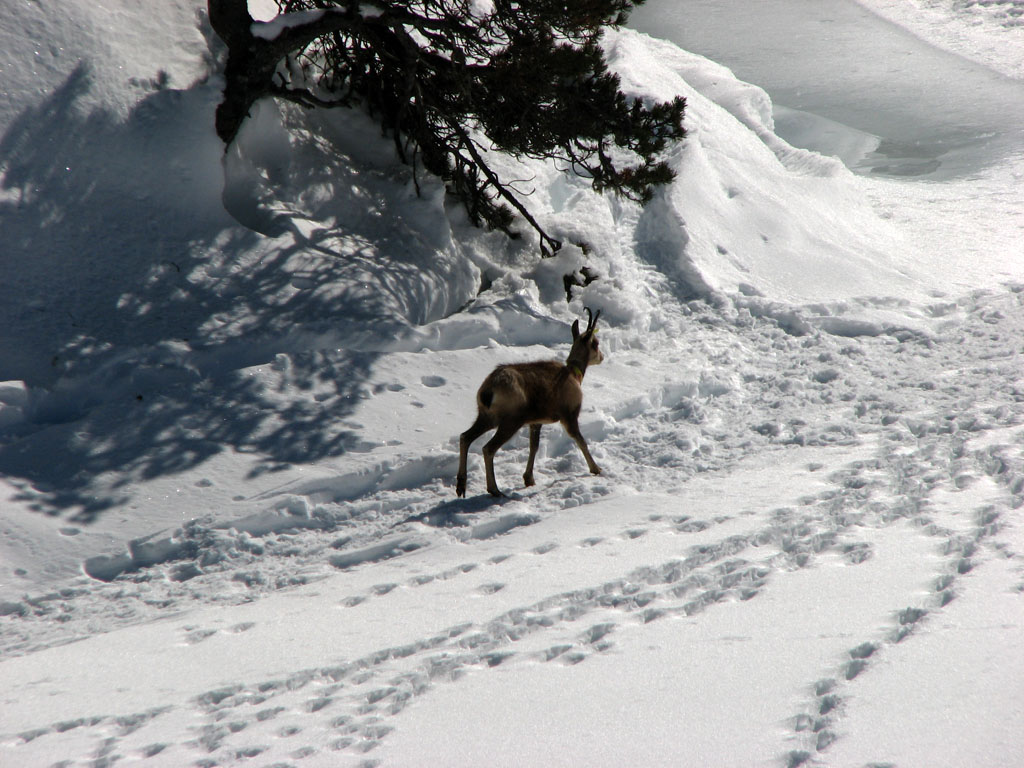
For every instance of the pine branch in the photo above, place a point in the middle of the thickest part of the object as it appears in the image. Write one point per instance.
(528, 76)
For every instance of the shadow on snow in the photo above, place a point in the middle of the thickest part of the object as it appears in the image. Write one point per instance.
(136, 303)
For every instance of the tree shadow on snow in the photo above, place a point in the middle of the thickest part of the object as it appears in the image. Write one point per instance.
(136, 307)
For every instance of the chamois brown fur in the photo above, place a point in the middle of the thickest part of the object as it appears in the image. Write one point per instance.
(537, 393)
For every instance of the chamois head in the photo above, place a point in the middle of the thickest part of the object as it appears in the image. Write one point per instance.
(585, 348)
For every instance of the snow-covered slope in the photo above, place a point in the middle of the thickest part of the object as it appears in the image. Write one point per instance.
(233, 386)
(987, 31)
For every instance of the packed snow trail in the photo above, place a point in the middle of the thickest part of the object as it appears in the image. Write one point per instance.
(912, 444)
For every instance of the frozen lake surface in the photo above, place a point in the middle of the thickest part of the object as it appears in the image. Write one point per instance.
(884, 101)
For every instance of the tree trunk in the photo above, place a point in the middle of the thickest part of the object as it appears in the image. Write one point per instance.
(252, 61)
(248, 74)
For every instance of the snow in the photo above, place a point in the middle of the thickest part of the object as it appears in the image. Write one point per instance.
(231, 389)
(271, 30)
(990, 32)
(931, 114)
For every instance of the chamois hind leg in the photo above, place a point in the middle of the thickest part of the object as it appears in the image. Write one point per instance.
(534, 444)
(481, 425)
(501, 436)
(572, 426)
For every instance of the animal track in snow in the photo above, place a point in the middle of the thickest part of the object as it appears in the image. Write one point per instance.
(198, 635)
(349, 705)
(685, 524)
(920, 453)
(940, 457)
(354, 700)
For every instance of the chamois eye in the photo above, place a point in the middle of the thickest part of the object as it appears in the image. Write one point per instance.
(593, 344)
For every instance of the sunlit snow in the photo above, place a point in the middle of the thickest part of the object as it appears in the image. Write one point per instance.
(232, 385)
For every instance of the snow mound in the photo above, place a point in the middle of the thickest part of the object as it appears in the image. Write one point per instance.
(749, 215)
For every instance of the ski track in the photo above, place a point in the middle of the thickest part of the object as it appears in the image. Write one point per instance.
(932, 414)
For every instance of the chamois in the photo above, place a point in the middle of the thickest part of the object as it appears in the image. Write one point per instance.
(537, 393)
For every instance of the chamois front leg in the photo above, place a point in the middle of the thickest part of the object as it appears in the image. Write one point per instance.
(481, 425)
(534, 444)
(572, 426)
(504, 432)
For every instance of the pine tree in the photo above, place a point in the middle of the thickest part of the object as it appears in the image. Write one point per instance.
(446, 78)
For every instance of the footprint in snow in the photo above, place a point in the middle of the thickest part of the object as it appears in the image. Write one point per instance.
(269, 713)
(433, 381)
(194, 636)
(857, 552)
(692, 526)
(198, 635)
(152, 750)
(555, 651)
(315, 705)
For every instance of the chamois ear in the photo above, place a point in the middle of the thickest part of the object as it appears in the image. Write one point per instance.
(575, 329)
